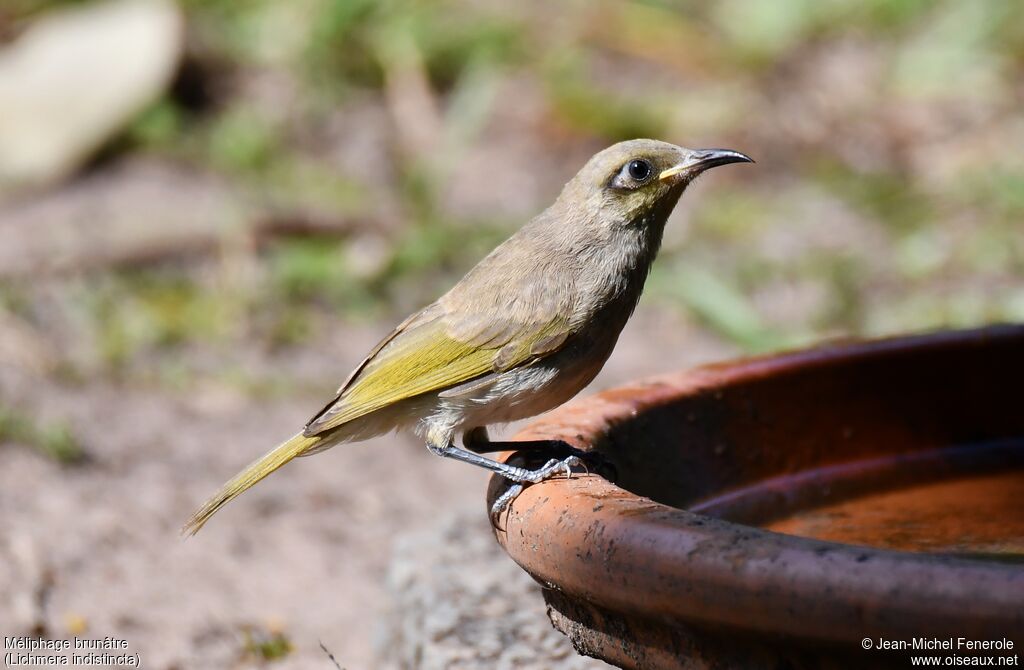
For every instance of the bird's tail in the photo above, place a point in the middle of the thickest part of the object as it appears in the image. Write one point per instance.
(297, 445)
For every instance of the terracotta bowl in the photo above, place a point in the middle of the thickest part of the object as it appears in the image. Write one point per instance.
(774, 512)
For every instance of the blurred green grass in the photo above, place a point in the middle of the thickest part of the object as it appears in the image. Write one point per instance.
(54, 439)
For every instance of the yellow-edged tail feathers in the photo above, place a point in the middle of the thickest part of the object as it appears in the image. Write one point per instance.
(257, 470)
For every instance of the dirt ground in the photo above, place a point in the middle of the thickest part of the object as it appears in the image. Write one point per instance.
(304, 557)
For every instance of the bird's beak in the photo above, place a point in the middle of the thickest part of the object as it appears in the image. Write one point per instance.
(702, 159)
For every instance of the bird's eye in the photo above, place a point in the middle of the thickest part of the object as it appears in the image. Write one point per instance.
(639, 170)
(633, 175)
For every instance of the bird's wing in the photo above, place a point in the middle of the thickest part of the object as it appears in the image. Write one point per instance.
(434, 350)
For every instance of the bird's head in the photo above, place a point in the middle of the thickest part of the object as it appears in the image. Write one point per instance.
(639, 181)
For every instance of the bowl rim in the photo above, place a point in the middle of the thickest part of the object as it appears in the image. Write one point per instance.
(599, 543)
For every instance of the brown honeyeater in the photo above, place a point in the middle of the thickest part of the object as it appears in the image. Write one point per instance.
(523, 332)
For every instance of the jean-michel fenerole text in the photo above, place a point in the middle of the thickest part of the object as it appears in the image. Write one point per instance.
(945, 644)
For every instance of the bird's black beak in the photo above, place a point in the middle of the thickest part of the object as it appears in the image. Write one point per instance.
(702, 159)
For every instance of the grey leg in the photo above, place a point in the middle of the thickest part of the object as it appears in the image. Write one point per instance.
(518, 476)
(477, 441)
(510, 472)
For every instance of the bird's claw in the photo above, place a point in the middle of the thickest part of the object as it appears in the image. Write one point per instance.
(550, 469)
(503, 501)
(593, 462)
(520, 479)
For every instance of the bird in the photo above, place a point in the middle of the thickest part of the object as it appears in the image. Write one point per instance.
(521, 333)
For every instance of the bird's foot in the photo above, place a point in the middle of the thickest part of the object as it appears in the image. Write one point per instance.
(521, 476)
(547, 471)
(476, 440)
(590, 460)
(503, 501)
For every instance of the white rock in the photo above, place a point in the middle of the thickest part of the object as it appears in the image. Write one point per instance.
(75, 77)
